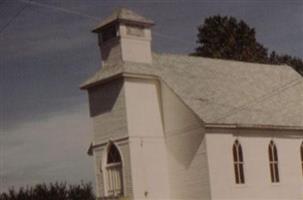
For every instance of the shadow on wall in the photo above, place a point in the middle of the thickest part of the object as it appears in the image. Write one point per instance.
(184, 146)
(103, 97)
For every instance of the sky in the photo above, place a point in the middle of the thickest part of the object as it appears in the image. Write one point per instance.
(47, 51)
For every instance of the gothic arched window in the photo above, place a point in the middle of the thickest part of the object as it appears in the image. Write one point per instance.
(238, 163)
(114, 174)
(273, 162)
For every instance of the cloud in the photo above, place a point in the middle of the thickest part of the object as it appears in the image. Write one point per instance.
(52, 149)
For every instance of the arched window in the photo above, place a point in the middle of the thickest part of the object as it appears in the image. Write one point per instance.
(273, 162)
(114, 172)
(302, 157)
(238, 163)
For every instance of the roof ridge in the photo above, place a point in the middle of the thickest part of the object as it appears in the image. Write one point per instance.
(218, 59)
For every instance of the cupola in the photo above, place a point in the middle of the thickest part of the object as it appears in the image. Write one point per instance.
(125, 36)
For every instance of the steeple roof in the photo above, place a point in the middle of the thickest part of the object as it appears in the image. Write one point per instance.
(123, 14)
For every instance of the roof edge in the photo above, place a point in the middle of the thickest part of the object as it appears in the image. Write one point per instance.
(253, 126)
(115, 76)
(98, 28)
(221, 59)
(123, 15)
(85, 86)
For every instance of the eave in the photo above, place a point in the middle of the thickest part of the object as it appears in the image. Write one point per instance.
(116, 76)
(253, 126)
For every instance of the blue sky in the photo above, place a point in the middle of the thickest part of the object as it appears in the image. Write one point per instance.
(48, 50)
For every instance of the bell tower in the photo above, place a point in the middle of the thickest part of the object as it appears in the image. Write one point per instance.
(129, 143)
(124, 37)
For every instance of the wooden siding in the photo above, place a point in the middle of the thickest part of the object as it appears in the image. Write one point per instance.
(147, 145)
(107, 108)
(187, 159)
(258, 183)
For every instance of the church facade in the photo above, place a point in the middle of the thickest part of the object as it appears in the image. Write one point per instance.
(182, 127)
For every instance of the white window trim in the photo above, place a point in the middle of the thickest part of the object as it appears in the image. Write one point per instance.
(238, 163)
(274, 163)
(105, 167)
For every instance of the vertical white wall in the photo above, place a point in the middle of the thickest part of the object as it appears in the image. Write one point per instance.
(107, 109)
(185, 139)
(256, 165)
(147, 146)
(136, 48)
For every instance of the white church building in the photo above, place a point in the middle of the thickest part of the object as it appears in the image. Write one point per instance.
(183, 127)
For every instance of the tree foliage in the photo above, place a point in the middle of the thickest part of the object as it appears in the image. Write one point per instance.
(228, 38)
(56, 191)
(295, 62)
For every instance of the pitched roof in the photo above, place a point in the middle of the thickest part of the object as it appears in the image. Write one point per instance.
(123, 14)
(221, 91)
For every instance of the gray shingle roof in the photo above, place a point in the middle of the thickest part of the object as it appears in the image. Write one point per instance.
(221, 91)
(123, 14)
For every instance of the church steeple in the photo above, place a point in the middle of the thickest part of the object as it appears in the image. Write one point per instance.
(125, 36)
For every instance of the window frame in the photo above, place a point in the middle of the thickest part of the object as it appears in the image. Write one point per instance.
(111, 172)
(238, 162)
(273, 162)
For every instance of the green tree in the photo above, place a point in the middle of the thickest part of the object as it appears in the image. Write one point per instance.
(295, 62)
(52, 191)
(228, 38)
